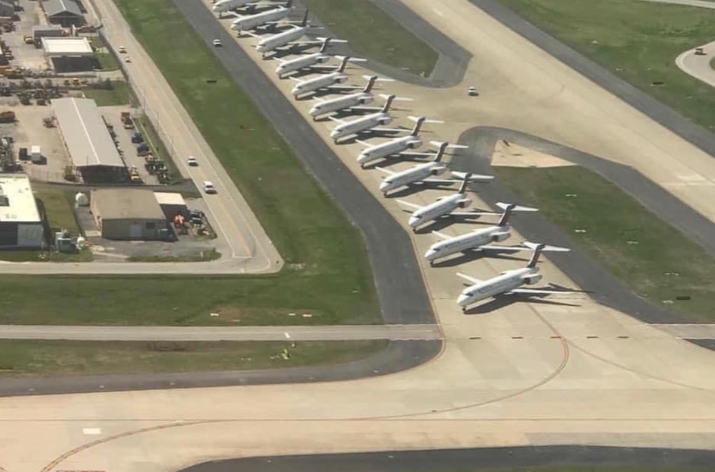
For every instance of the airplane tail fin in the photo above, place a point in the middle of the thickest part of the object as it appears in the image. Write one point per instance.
(441, 150)
(388, 103)
(305, 19)
(289, 4)
(418, 125)
(465, 182)
(344, 64)
(370, 84)
(508, 209)
(326, 43)
(538, 249)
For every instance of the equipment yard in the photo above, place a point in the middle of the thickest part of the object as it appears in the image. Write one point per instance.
(538, 239)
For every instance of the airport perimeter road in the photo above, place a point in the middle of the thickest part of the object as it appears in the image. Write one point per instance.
(242, 242)
(224, 333)
(689, 331)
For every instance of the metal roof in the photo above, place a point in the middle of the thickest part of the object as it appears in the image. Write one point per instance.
(54, 7)
(17, 202)
(67, 46)
(127, 204)
(85, 133)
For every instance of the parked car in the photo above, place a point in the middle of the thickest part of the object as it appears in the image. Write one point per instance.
(217, 43)
(209, 187)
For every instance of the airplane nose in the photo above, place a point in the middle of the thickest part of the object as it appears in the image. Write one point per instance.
(463, 300)
(414, 221)
(384, 186)
(431, 254)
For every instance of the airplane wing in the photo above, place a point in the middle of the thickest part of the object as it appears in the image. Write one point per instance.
(536, 291)
(337, 120)
(366, 109)
(416, 154)
(364, 143)
(504, 248)
(472, 177)
(441, 181)
(346, 88)
(385, 171)
(441, 235)
(387, 130)
(253, 35)
(408, 204)
(472, 214)
(469, 279)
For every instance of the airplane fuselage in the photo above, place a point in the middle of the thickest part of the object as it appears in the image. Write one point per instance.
(467, 241)
(301, 63)
(311, 85)
(393, 146)
(223, 6)
(498, 285)
(341, 103)
(361, 124)
(281, 39)
(253, 21)
(438, 209)
(409, 176)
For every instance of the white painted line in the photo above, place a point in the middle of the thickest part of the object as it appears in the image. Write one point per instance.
(91, 431)
(438, 12)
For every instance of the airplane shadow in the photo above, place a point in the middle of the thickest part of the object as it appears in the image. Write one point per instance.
(508, 300)
(446, 222)
(470, 256)
(413, 189)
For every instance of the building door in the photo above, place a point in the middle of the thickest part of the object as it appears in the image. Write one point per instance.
(135, 231)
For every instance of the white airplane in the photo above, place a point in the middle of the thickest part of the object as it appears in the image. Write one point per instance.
(265, 18)
(352, 102)
(309, 61)
(366, 123)
(444, 207)
(508, 282)
(290, 37)
(480, 239)
(420, 174)
(222, 6)
(397, 146)
(327, 81)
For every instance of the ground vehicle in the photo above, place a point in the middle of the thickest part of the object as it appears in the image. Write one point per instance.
(209, 187)
(191, 160)
(137, 137)
(122, 50)
(127, 59)
(472, 92)
(217, 43)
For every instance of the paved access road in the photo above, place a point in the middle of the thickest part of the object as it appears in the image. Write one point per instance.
(223, 333)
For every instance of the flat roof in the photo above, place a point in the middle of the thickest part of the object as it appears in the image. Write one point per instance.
(85, 133)
(53, 7)
(168, 198)
(67, 46)
(17, 202)
(127, 204)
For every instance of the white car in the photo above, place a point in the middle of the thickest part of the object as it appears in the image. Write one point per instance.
(127, 59)
(191, 160)
(209, 187)
(122, 50)
(217, 43)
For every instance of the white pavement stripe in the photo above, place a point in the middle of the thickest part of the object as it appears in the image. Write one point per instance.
(243, 333)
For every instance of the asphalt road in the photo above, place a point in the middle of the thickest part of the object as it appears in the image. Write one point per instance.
(470, 459)
(398, 356)
(401, 290)
(223, 333)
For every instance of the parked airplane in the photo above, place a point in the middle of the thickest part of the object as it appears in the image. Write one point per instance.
(222, 6)
(508, 282)
(309, 61)
(290, 37)
(352, 102)
(480, 239)
(396, 146)
(420, 174)
(269, 17)
(365, 123)
(444, 207)
(326, 81)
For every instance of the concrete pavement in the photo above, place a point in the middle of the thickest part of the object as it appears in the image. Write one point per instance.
(223, 333)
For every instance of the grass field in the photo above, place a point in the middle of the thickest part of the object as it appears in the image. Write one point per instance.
(327, 274)
(62, 358)
(106, 61)
(369, 30)
(636, 40)
(598, 468)
(655, 260)
(118, 94)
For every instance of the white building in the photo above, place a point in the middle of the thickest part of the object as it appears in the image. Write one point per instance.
(20, 221)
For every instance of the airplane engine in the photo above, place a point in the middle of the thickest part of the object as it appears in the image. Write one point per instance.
(499, 237)
(465, 203)
(385, 121)
(532, 279)
(438, 171)
(414, 144)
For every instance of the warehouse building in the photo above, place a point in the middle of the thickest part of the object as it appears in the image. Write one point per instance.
(21, 225)
(88, 142)
(172, 204)
(69, 54)
(7, 8)
(65, 13)
(47, 31)
(128, 214)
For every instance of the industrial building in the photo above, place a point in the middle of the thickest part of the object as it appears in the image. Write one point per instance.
(172, 204)
(89, 144)
(7, 8)
(65, 13)
(47, 31)
(21, 225)
(128, 214)
(69, 54)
